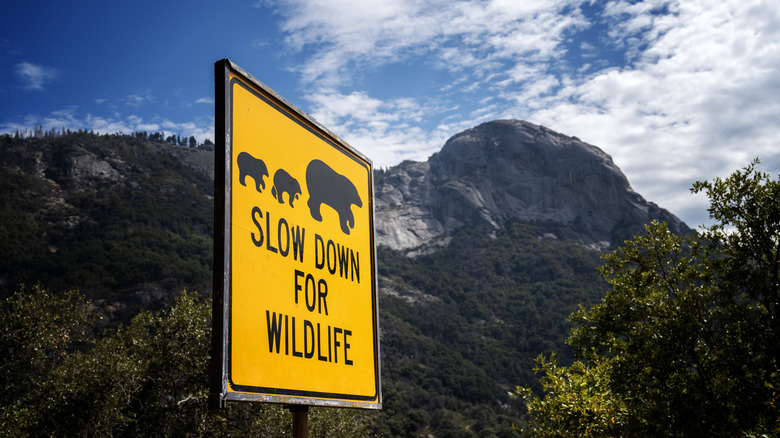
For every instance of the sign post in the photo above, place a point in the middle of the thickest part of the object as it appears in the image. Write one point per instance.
(295, 290)
(300, 421)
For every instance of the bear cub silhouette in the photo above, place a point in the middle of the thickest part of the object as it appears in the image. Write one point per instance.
(283, 182)
(333, 189)
(254, 167)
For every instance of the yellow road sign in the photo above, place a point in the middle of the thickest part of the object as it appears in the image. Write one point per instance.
(295, 277)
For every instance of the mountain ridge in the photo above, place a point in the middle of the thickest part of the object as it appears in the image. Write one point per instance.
(128, 221)
(508, 170)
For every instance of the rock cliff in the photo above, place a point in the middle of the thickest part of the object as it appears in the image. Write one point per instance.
(510, 170)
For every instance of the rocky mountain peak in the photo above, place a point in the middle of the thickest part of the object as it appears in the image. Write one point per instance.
(510, 170)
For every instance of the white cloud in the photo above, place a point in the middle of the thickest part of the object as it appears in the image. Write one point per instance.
(344, 35)
(140, 98)
(482, 45)
(690, 90)
(34, 76)
(384, 130)
(700, 100)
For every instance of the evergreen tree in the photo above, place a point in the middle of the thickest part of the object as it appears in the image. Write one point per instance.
(686, 341)
(148, 378)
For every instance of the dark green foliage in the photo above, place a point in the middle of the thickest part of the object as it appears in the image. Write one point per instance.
(145, 379)
(462, 325)
(114, 216)
(578, 401)
(38, 330)
(20, 232)
(746, 206)
(686, 342)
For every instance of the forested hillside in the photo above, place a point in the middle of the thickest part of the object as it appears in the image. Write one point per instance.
(118, 217)
(685, 341)
(127, 221)
(462, 325)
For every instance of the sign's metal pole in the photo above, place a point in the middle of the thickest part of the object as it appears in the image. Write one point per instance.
(300, 421)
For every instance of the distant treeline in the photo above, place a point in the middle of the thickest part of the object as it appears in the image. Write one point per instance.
(176, 140)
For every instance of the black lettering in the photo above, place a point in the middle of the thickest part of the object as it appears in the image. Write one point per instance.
(319, 344)
(322, 293)
(343, 253)
(355, 266)
(298, 287)
(336, 344)
(298, 239)
(268, 245)
(287, 336)
(313, 293)
(318, 243)
(347, 333)
(279, 240)
(308, 328)
(332, 269)
(274, 331)
(258, 241)
(296, 353)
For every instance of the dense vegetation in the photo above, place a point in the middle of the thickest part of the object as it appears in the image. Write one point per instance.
(148, 378)
(125, 223)
(123, 220)
(462, 326)
(680, 340)
(686, 341)
(445, 367)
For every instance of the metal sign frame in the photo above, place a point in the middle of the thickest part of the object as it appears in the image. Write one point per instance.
(223, 388)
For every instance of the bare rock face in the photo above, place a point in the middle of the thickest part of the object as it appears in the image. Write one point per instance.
(510, 170)
(87, 165)
(404, 218)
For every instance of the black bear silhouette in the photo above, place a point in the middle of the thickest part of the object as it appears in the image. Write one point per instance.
(283, 182)
(333, 189)
(254, 167)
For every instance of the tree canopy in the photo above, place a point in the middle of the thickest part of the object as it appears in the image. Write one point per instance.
(685, 343)
(148, 378)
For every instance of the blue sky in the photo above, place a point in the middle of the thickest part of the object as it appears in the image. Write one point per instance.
(674, 91)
